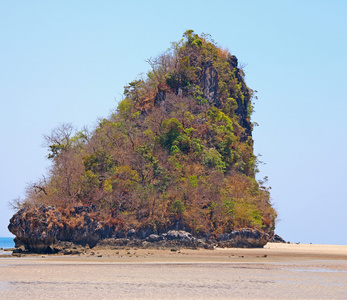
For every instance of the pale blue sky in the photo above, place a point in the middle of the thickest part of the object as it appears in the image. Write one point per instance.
(67, 61)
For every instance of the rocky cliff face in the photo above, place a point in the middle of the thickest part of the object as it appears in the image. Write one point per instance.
(209, 84)
(50, 230)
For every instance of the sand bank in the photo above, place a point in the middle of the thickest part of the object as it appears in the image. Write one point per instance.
(278, 271)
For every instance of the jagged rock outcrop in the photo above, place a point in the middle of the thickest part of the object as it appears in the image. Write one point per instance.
(244, 238)
(277, 239)
(175, 159)
(68, 231)
(38, 228)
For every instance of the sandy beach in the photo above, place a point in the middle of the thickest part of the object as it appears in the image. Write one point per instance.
(277, 271)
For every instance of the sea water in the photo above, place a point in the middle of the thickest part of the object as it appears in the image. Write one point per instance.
(6, 242)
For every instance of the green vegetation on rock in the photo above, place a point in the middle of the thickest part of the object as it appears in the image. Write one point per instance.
(177, 153)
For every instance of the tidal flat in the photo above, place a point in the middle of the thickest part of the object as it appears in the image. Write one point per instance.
(277, 271)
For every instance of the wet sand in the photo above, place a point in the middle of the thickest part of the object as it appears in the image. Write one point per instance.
(278, 271)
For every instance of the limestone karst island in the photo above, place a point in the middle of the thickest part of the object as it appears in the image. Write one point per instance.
(173, 166)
